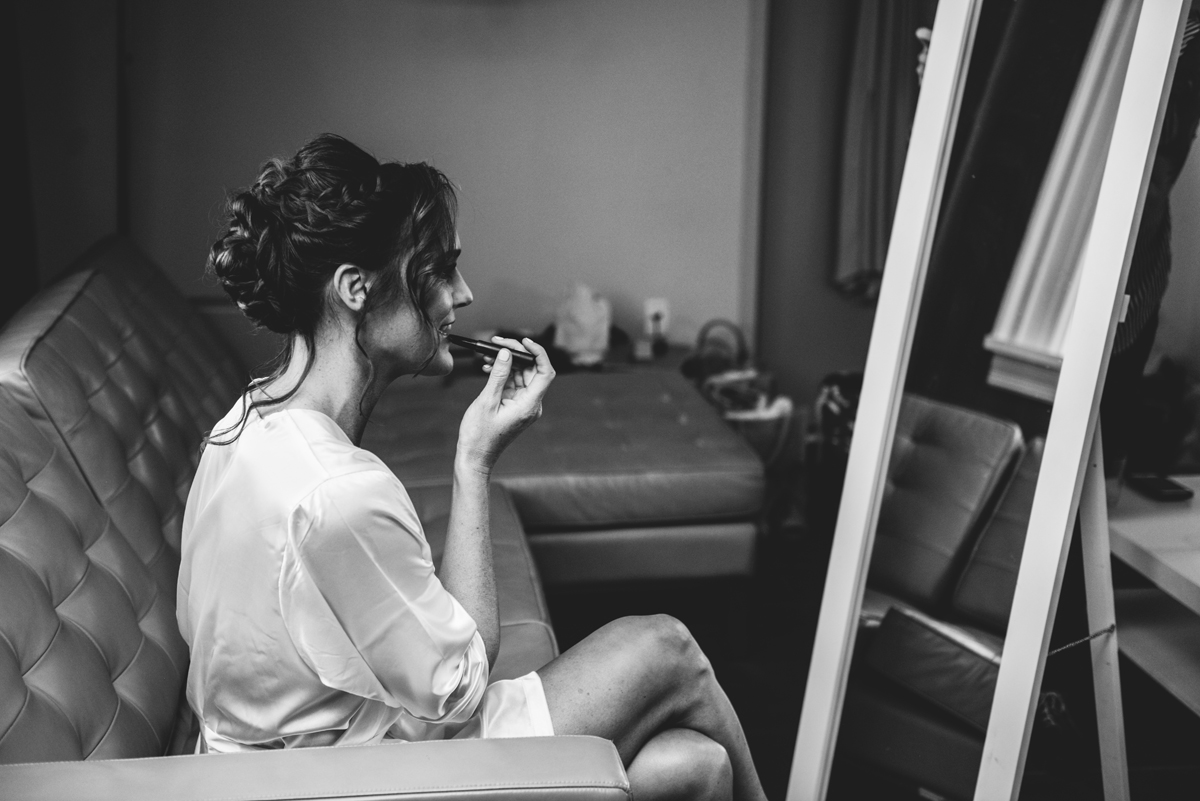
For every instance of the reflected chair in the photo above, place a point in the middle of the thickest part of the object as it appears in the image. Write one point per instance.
(937, 602)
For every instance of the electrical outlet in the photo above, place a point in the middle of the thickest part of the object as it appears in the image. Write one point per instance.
(656, 316)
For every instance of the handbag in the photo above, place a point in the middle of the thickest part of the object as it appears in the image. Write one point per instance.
(745, 396)
(720, 347)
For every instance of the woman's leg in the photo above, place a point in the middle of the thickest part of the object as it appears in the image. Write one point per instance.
(634, 680)
(682, 765)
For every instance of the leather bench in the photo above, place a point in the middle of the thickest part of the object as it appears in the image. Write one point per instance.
(626, 476)
(108, 381)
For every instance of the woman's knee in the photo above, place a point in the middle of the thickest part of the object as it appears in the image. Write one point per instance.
(666, 642)
(682, 763)
(712, 771)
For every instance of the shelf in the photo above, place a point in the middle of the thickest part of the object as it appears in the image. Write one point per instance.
(1162, 637)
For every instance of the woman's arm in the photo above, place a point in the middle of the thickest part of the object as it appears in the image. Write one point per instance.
(466, 569)
(509, 403)
(364, 609)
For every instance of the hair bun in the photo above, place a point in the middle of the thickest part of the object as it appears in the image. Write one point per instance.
(247, 261)
(332, 203)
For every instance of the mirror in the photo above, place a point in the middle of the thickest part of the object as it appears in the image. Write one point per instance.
(997, 309)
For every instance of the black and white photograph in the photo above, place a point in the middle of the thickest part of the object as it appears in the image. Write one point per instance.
(714, 400)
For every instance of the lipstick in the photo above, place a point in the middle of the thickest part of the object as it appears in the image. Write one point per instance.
(520, 358)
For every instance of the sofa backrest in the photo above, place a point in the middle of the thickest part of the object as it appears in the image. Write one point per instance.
(202, 369)
(108, 382)
(91, 661)
(108, 362)
(947, 464)
(984, 594)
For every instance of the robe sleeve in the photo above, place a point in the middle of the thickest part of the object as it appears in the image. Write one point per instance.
(364, 608)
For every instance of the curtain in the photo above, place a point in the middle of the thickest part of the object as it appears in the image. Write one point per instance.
(21, 276)
(881, 102)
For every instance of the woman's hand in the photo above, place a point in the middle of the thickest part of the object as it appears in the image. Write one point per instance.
(508, 404)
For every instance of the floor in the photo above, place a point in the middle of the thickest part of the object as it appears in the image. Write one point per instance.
(758, 634)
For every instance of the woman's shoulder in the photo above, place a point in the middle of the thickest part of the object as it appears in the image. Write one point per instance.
(303, 448)
(323, 441)
(353, 493)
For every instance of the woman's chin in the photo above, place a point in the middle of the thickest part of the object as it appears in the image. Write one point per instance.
(442, 363)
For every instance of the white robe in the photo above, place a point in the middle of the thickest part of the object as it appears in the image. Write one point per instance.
(308, 598)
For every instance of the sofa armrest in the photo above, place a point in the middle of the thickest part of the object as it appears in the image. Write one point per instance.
(534, 768)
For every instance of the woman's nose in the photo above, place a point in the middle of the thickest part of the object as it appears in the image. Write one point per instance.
(462, 293)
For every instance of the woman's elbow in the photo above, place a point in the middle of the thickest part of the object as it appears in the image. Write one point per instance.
(456, 688)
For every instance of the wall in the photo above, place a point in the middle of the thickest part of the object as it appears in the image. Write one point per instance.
(614, 143)
(16, 225)
(68, 52)
(806, 329)
(1179, 326)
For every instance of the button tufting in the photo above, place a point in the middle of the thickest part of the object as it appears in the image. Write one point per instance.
(122, 383)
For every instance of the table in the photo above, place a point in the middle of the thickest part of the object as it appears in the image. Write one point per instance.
(1161, 540)
(1158, 628)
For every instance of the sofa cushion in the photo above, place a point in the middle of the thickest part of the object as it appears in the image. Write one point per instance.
(875, 607)
(611, 450)
(984, 594)
(199, 366)
(74, 362)
(946, 465)
(899, 733)
(113, 361)
(91, 661)
(689, 551)
(953, 667)
(527, 641)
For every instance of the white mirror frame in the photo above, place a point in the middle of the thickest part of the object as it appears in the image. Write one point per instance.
(1086, 351)
(913, 229)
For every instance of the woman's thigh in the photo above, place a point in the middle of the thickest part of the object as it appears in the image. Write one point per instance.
(625, 682)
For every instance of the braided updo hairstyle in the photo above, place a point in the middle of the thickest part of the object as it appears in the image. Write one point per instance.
(330, 204)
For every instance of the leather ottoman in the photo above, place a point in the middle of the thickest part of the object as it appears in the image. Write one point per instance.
(626, 476)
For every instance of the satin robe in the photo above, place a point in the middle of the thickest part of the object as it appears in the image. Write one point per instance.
(308, 598)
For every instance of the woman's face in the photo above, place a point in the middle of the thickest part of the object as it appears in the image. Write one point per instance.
(398, 337)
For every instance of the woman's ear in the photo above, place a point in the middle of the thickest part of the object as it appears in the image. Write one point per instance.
(350, 287)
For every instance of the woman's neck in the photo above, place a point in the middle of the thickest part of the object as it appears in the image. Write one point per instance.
(339, 383)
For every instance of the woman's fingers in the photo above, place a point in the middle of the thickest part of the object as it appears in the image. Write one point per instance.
(527, 385)
(516, 378)
(539, 353)
(522, 377)
(511, 400)
(542, 366)
(511, 344)
(499, 374)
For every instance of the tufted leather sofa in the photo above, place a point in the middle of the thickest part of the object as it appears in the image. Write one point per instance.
(948, 547)
(108, 381)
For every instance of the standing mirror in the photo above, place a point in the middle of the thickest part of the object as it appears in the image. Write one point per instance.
(1022, 192)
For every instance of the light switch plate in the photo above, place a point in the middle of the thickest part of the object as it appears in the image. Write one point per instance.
(658, 306)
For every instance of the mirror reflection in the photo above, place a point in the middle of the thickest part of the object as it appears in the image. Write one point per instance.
(1037, 113)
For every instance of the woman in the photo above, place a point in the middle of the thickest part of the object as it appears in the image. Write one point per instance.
(306, 590)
